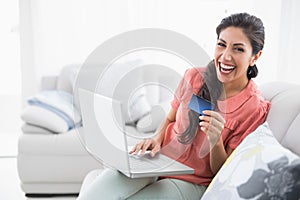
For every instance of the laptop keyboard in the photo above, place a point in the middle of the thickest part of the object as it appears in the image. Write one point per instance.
(147, 162)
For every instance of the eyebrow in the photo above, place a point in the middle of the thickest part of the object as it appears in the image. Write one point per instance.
(235, 44)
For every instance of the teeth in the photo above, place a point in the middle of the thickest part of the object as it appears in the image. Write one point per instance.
(226, 69)
(226, 66)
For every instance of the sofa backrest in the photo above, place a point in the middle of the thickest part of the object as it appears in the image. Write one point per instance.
(122, 81)
(64, 81)
(283, 118)
(284, 115)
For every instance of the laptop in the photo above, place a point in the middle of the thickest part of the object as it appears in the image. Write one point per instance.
(106, 139)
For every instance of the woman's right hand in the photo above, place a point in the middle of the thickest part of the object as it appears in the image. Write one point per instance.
(154, 144)
(148, 144)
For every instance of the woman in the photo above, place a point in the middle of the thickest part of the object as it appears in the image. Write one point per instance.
(202, 142)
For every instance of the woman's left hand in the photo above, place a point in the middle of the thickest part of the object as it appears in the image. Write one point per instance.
(212, 123)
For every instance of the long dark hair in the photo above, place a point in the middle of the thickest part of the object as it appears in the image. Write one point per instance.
(212, 88)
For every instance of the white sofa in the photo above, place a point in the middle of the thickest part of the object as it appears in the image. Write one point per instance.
(283, 120)
(55, 162)
(51, 163)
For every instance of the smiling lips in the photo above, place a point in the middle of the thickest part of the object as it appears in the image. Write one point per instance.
(226, 69)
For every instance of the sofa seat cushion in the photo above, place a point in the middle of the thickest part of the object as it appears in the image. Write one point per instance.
(55, 169)
(68, 143)
(53, 163)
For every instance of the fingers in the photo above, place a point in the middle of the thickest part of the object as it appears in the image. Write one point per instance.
(209, 122)
(143, 146)
(215, 115)
(212, 119)
(209, 130)
(212, 124)
(155, 150)
(146, 146)
(133, 149)
(137, 148)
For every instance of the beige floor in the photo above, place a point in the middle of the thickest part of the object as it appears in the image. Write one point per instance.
(9, 180)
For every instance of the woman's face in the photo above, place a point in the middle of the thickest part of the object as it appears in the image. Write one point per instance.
(233, 55)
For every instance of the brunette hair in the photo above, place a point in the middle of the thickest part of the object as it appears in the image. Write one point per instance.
(212, 88)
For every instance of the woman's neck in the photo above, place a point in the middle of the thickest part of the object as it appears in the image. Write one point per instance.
(232, 89)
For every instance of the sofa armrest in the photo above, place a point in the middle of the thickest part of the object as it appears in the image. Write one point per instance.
(48, 83)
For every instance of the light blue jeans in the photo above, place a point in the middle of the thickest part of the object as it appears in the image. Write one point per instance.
(112, 184)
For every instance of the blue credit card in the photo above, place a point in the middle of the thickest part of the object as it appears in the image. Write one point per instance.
(199, 104)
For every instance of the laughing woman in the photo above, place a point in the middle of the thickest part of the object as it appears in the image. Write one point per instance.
(202, 142)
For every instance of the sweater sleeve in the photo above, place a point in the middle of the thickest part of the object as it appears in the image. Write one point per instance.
(190, 83)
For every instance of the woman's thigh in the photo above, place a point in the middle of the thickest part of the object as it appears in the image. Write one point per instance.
(170, 189)
(112, 184)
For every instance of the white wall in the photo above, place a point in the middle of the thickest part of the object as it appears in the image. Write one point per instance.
(289, 42)
(58, 32)
(10, 74)
(67, 31)
(270, 14)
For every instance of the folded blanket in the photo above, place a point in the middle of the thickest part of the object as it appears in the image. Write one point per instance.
(60, 103)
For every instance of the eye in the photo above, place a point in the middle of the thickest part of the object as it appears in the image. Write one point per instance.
(221, 44)
(239, 49)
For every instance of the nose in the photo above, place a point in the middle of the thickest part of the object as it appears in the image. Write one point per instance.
(226, 55)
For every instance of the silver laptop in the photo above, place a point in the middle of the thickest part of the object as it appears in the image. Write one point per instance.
(106, 139)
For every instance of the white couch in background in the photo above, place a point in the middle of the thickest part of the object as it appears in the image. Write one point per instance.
(56, 163)
(52, 159)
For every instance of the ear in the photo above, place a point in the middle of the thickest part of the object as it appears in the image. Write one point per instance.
(255, 58)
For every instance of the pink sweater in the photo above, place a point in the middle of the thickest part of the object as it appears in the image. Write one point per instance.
(243, 114)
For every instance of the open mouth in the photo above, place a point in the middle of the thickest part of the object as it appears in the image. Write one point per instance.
(226, 69)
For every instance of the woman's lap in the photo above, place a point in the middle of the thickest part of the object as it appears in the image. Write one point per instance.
(170, 189)
(115, 185)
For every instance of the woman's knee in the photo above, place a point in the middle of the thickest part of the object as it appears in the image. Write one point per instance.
(115, 185)
(170, 189)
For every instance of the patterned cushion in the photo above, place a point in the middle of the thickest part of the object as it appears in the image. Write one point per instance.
(259, 168)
